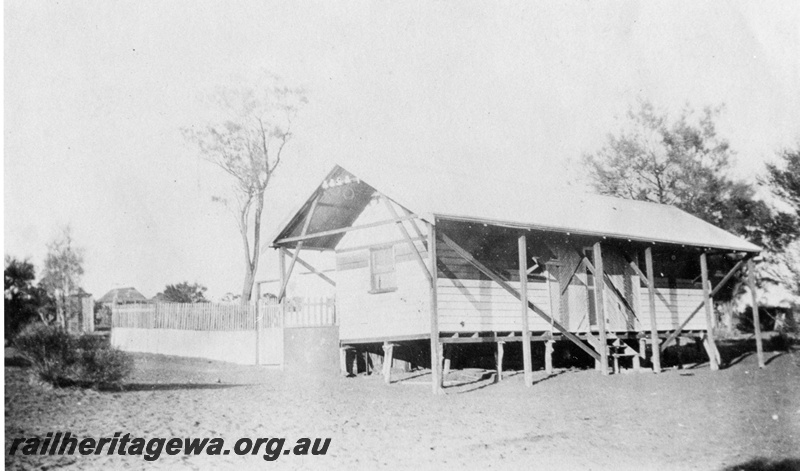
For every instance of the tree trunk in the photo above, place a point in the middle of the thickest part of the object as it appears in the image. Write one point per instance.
(61, 316)
(251, 260)
(249, 280)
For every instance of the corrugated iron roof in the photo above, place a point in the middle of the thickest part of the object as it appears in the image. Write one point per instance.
(535, 205)
(122, 296)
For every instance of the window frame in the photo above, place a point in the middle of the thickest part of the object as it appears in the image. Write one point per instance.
(372, 273)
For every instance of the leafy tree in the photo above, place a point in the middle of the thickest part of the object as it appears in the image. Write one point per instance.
(685, 163)
(247, 143)
(783, 179)
(22, 298)
(63, 267)
(185, 293)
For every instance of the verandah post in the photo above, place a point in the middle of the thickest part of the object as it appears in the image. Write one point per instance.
(651, 296)
(523, 291)
(436, 365)
(751, 282)
(708, 304)
(599, 306)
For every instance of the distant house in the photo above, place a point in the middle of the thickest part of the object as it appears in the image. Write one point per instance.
(158, 298)
(115, 296)
(122, 296)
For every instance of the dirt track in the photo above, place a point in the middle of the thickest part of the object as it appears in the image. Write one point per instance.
(681, 419)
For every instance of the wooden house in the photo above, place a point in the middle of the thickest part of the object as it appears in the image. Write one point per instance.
(112, 298)
(436, 261)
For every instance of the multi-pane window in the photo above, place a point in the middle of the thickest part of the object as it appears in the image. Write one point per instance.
(382, 269)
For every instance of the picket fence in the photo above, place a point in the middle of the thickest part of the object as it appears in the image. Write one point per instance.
(297, 312)
(247, 334)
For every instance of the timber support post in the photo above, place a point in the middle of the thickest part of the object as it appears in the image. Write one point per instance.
(499, 360)
(548, 357)
(446, 368)
(642, 349)
(523, 292)
(297, 249)
(343, 366)
(436, 365)
(751, 282)
(651, 297)
(599, 306)
(388, 356)
(282, 302)
(709, 308)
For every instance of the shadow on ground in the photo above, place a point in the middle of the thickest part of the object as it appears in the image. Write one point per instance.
(733, 351)
(763, 464)
(138, 387)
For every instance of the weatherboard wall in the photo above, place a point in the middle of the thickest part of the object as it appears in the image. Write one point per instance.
(469, 302)
(402, 312)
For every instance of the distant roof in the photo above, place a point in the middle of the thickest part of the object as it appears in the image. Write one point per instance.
(122, 296)
(531, 205)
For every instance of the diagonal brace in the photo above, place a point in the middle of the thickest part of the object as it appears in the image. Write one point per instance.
(714, 291)
(503, 284)
(574, 272)
(309, 267)
(408, 239)
(298, 248)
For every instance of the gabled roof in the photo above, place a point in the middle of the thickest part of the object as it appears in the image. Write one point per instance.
(123, 296)
(478, 199)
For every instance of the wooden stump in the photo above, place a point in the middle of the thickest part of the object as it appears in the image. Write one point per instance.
(499, 359)
(548, 356)
(343, 360)
(388, 355)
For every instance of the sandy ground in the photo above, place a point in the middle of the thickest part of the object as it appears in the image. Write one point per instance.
(737, 418)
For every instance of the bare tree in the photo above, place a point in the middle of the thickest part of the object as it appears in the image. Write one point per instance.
(247, 142)
(63, 267)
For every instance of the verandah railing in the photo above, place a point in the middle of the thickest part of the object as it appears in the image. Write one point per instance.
(297, 312)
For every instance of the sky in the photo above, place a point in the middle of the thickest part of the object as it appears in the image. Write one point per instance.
(96, 94)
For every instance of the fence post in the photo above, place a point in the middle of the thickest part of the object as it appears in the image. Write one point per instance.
(258, 324)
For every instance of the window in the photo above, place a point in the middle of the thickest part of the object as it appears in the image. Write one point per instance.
(381, 263)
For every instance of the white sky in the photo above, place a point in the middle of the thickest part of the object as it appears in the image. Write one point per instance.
(96, 93)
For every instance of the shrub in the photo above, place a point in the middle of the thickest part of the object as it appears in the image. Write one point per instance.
(62, 359)
(781, 342)
(104, 367)
(51, 351)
